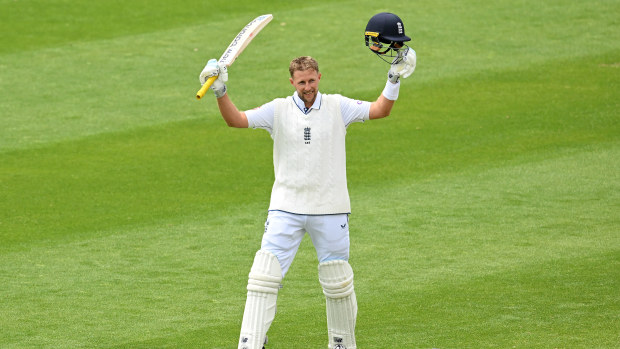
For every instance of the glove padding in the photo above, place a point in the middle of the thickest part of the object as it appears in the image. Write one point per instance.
(404, 67)
(214, 69)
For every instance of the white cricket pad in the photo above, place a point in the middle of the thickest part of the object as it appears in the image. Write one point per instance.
(260, 305)
(336, 278)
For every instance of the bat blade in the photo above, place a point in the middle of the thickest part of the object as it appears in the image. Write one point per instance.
(239, 43)
(243, 39)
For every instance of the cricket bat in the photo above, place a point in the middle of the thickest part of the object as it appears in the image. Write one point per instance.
(237, 46)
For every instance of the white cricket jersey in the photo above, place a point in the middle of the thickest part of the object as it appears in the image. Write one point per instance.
(309, 151)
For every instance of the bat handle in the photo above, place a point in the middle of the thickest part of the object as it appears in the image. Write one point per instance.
(205, 87)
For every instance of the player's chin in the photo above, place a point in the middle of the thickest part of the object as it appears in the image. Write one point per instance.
(308, 96)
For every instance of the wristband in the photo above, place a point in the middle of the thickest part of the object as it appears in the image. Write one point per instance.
(391, 90)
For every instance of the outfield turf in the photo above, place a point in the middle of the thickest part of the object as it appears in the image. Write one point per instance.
(485, 208)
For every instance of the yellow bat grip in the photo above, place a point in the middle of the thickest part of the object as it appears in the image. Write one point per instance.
(205, 87)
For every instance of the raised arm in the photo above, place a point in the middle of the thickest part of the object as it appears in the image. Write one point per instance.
(382, 106)
(230, 113)
(403, 68)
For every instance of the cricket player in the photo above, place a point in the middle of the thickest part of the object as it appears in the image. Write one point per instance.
(310, 192)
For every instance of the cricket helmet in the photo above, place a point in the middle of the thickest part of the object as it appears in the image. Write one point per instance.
(385, 34)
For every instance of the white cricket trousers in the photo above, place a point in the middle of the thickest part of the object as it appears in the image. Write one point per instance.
(284, 232)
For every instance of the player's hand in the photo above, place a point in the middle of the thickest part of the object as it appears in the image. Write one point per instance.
(403, 65)
(214, 69)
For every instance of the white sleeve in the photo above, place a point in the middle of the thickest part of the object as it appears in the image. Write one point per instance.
(261, 117)
(354, 110)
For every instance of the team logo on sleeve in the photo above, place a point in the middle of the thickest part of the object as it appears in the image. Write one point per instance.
(307, 135)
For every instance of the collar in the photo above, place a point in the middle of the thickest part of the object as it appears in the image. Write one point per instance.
(302, 106)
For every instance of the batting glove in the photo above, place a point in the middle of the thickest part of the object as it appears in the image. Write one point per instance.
(403, 65)
(214, 69)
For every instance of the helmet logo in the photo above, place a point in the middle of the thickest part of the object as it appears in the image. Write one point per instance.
(400, 27)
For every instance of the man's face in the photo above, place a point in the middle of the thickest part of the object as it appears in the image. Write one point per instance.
(306, 83)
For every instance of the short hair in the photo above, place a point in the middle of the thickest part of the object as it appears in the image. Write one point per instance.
(303, 63)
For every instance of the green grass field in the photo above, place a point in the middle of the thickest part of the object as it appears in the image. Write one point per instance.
(485, 208)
